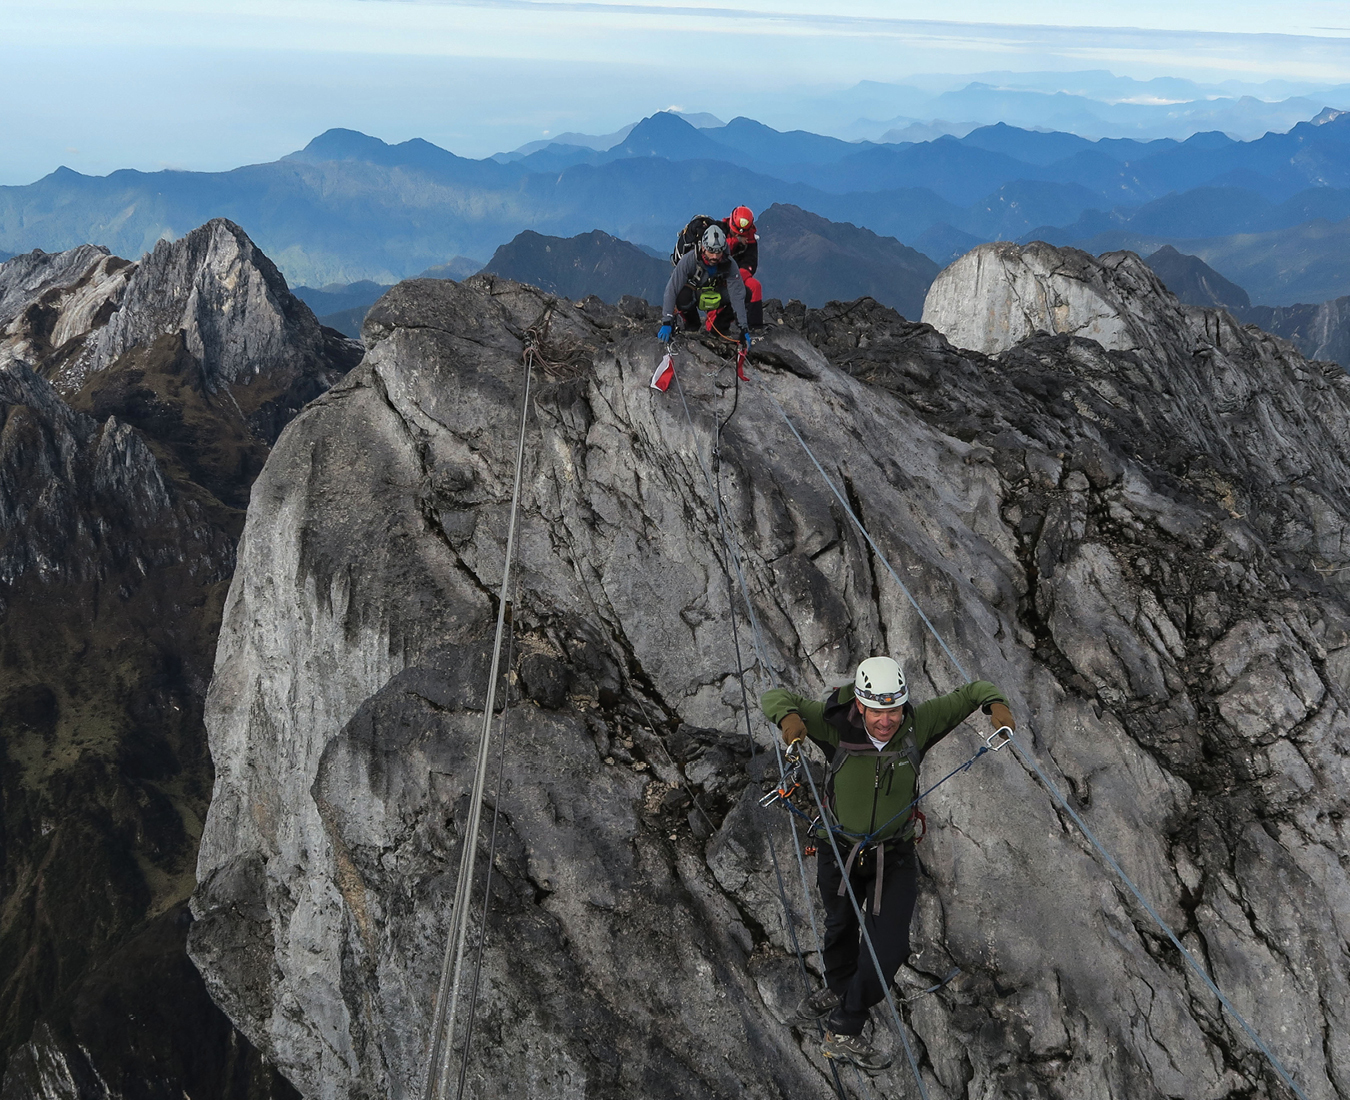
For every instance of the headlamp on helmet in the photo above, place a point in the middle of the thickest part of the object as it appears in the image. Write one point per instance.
(713, 244)
(880, 685)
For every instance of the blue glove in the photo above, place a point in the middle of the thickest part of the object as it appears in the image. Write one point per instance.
(664, 334)
(745, 339)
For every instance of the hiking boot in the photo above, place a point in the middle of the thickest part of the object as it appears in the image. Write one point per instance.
(815, 1007)
(855, 1049)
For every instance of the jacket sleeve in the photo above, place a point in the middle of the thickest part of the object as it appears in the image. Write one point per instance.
(777, 703)
(679, 275)
(936, 718)
(736, 292)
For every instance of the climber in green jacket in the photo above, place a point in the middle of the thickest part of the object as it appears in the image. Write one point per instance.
(874, 740)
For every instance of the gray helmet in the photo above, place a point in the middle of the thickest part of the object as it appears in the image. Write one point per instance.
(713, 241)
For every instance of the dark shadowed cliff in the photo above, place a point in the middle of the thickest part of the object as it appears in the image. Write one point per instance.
(137, 403)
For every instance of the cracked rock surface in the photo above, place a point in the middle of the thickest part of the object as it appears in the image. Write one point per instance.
(1140, 537)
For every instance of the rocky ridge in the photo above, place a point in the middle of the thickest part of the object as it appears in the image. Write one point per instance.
(1319, 331)
(125, 463)
(1140, 535)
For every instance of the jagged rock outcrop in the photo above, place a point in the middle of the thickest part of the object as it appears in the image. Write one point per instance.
(120, 506)
(1319, 331)
(997, 295)
(49, 304)
(1144, 543)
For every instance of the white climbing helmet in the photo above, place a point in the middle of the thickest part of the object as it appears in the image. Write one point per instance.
(880, 685)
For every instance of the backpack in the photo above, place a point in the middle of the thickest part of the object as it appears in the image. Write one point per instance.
(690, 235)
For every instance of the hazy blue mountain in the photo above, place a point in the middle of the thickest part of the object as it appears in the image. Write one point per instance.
(460, 267)
(350, 207)
(347, 321)
(1021, 205)
(1031, 146)
(597, 142)
(1196, 283)
(1305, 263)
(943, 243)
(1202, 211)
(806, 257)
(340, 296)
(770, 147)
(590, 263)
(556, 157)
(667, 135)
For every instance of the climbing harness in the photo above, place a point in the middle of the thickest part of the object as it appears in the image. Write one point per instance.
(443, 1025)
(1024, 755)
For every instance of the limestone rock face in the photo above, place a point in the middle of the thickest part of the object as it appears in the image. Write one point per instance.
(226, 301)
(998, 294)
(1144, 543)
(49, 304)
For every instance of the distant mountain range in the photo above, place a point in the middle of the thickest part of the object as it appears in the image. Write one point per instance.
(591, 263)
(802, 256)
(1319, 331)
(349, 207)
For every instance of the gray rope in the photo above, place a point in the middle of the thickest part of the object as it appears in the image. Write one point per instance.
(733, 551)
(438, 1069)
(491, 859)
(1195, 965)
(870, 541)
(1023, 754)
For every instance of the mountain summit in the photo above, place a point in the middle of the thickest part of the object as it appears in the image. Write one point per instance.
(1141, 540)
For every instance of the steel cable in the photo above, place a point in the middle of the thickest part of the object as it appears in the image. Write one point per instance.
(491, 855)
(1023, 754)
(443, 1026)
(731, 548)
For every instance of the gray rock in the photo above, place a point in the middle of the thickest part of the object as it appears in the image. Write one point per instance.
(1139, 539)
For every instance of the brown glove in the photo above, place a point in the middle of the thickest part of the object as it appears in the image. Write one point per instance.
(794, 729)
(1001, 716)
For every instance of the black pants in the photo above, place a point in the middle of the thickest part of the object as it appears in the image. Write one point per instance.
(686, 304)
(849, 969)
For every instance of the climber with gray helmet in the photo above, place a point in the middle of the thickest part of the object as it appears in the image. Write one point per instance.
(707, 279)
(874, 739)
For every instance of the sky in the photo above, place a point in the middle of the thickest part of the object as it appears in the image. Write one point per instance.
(210, 84)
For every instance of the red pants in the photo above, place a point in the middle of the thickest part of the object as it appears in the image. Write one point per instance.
(754, 299)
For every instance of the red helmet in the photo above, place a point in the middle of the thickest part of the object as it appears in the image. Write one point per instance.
(742, 221)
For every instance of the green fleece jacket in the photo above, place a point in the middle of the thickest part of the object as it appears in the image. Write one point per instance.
(870, 789)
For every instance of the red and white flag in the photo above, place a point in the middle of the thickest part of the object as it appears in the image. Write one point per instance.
(665, 374)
